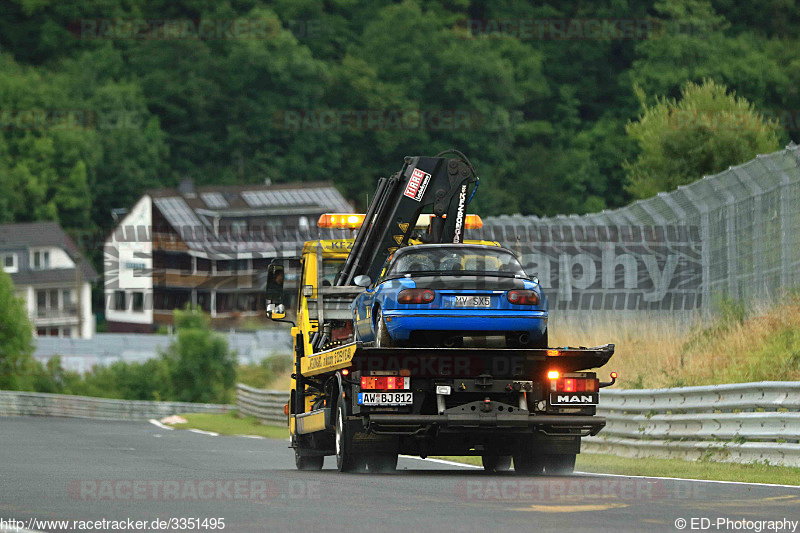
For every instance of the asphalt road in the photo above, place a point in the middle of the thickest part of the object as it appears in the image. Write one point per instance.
(68, 469)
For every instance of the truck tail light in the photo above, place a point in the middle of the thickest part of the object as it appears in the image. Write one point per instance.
(385, 382)
(415, 296)
(575, 385)
(522, 297)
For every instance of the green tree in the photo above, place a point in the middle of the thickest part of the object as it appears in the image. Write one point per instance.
(16, 339)
(200, 365)
(704, 132)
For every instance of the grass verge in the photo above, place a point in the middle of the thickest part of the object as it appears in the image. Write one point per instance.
(231, 424)
(675, 468)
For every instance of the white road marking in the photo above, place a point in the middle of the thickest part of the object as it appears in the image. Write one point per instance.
(454, 463)
(698, 480)
(442, 461)
(201, 432)
(252, 437)
(159, 424)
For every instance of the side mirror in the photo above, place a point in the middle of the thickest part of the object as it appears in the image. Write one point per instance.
(362, 281)
(274, 288)
(278, 312)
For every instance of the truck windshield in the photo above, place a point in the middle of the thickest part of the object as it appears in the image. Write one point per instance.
(330, 269)
(457, 260)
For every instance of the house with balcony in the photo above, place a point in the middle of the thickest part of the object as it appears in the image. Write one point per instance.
(208, 248)
(52, 276)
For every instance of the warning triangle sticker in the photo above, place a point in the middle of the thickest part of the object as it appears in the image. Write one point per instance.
(398, 239)
(404, 227)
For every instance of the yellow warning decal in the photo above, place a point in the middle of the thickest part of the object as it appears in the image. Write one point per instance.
(327, 361)
(398, 239)
(404, 228)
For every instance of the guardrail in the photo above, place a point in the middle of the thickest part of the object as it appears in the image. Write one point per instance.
(15, 403)
(265, 405)
(742, 422)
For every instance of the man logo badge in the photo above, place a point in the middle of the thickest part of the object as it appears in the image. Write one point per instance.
(573, 399)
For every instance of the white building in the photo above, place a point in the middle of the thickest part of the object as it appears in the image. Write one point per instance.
(52, 276)
(208, 248)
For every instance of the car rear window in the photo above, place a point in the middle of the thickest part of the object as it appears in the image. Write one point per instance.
(450, 260)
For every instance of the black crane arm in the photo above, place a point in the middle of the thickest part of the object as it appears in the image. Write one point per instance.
(437, 185)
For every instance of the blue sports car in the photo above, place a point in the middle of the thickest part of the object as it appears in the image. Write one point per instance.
(451, 295)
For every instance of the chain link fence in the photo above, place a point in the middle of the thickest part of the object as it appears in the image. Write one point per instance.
(733, 235)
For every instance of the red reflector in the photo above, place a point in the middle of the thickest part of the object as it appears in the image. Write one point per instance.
(286, 408)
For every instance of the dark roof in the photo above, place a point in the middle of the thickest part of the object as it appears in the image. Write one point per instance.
(190, 211)
(288, 197)
(36, 234)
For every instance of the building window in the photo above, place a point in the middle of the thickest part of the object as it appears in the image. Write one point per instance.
(67, 332)
(47, 302)
(119, 300)
(238, 228)
(9, 262)
(138, 302)
(41, 332)
(41, 259)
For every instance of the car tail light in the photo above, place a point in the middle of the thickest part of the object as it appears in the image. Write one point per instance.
(415, 296)
(523, 297)
(385, 382)
(575, 385)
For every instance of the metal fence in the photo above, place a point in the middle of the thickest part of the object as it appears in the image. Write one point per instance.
(732, 234)
(14, 403)
(743, 423)
(265, 405)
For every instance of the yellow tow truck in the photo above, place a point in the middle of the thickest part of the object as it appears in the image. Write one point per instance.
(498, 403)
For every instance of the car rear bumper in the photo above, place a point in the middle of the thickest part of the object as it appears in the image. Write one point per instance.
(401, 323)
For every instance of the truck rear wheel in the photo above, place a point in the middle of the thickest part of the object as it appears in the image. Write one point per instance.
(382, 463)
(308, 462)
(345, 460)
(496, 463)
(559, 464)
(528, 465)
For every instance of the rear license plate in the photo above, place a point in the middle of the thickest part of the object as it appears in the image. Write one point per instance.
(573, 398)
(472, 301)
(385, 398)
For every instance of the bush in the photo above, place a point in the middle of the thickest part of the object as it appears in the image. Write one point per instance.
(201, 368)
(16, 340)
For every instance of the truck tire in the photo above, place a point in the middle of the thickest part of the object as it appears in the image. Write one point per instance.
(496, 463)
(382, 338)
(345, 460)
(526, 464)
(561, 464)
(308, 462)
(383, 463)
